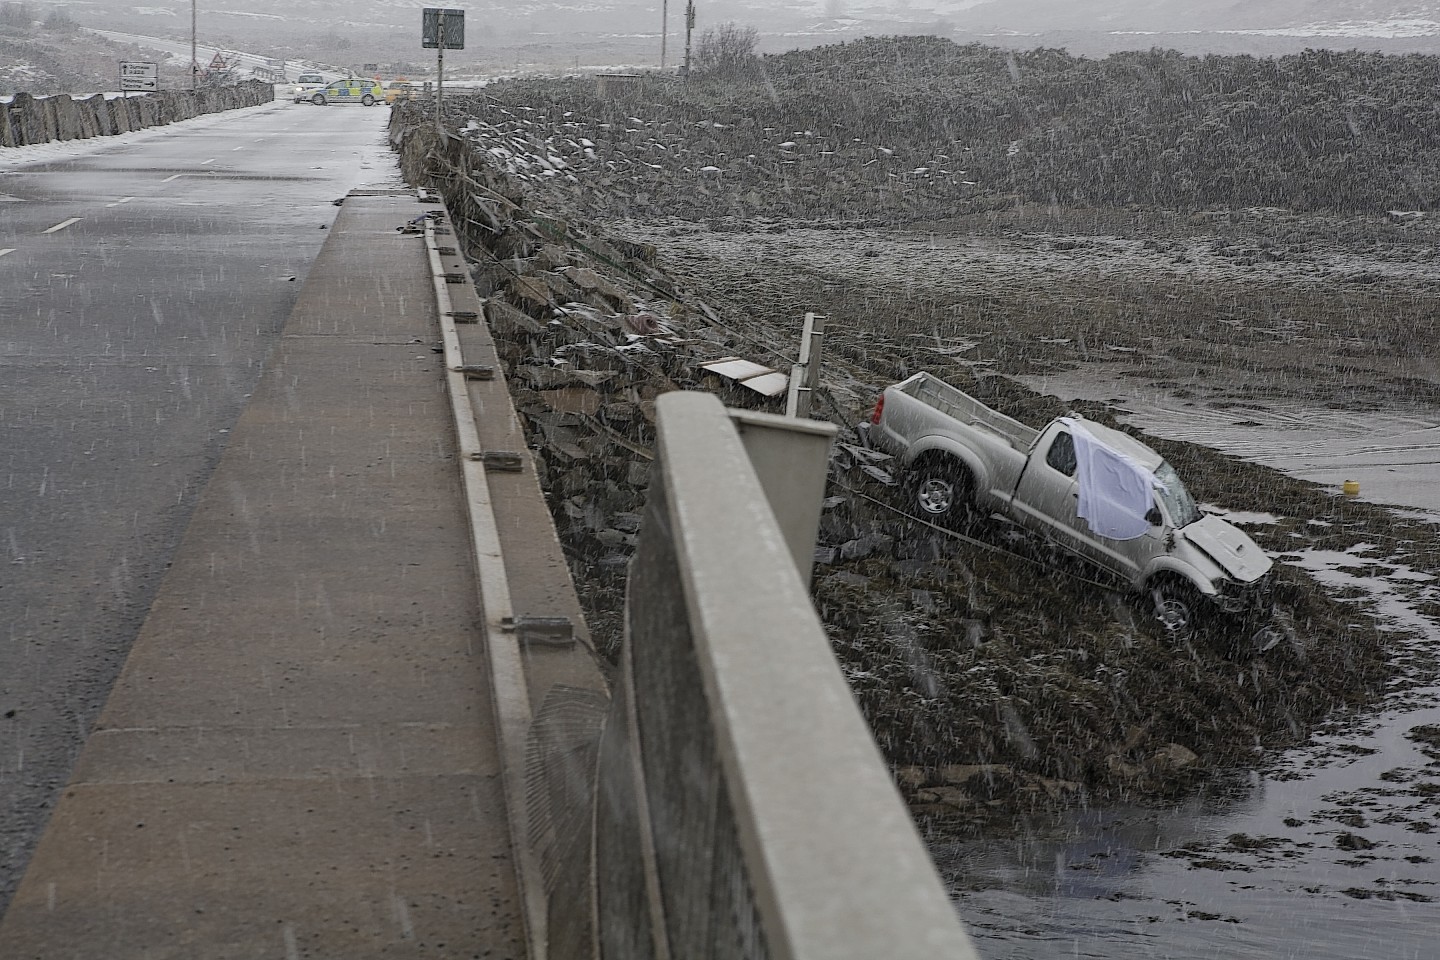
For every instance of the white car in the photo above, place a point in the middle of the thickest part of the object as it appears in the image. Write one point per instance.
(306, 85)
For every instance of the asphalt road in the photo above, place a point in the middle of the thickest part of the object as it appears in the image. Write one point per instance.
(143, 282)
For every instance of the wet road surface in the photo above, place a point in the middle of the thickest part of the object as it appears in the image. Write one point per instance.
(143, 281)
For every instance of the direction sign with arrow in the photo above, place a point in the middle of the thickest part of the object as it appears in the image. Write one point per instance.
(137, 75)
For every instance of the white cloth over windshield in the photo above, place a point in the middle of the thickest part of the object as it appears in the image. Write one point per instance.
(1115, 489)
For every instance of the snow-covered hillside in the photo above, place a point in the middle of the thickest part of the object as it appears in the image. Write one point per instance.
(557, 32)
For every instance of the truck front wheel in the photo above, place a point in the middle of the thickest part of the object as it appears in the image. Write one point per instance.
(943, 491)
(1178, 606)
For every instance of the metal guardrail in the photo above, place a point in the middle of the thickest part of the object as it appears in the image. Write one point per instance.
(741, 808)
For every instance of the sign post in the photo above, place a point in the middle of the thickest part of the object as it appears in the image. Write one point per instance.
(137, 75)
(441, 29)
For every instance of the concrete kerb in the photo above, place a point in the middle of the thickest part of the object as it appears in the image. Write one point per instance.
(509, 690)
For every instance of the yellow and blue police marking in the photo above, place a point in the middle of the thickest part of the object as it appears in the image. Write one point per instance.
(354, 90)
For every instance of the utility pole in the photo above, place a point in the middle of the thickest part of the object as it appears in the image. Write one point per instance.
(689, 28)
(664, 29)
(194, 59)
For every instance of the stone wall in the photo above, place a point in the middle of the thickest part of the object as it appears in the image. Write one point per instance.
(29, 120)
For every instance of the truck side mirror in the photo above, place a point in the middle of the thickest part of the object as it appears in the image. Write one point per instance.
(1153, 517)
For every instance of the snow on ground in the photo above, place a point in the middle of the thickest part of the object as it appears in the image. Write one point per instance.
(12, 158)
(1393, 29)
(933, 257)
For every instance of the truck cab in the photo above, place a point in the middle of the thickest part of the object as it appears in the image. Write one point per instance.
(1181, 549)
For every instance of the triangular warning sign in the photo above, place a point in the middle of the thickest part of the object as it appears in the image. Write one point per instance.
(218, 63)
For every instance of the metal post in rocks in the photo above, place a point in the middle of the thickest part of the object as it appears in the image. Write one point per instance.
(805, 375)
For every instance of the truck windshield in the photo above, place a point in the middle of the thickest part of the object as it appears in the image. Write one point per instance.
(1178, 502)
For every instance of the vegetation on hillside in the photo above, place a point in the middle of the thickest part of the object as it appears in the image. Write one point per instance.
(947, 128)
(44, 51)
(1315, 131)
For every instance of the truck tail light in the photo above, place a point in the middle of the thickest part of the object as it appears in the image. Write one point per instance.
(879, 409)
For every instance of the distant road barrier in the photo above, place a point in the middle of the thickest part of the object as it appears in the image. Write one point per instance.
(741, 807)
(27, 120)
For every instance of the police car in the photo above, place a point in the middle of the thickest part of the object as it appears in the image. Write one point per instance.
(351, 90)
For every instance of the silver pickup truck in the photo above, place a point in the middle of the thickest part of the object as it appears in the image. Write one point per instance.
(963, 457)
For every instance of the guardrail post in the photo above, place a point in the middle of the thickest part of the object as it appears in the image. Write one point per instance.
(805, 375)
(790, 458)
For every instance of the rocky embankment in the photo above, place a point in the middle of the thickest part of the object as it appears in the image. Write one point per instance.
(993, 674)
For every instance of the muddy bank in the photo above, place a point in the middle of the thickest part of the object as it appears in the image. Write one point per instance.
(994, 675)
(1043, 683)
(1228, 348)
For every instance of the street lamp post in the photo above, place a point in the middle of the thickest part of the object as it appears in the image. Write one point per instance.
(194, 61)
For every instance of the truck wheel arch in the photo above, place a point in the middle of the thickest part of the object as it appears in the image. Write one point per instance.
(921, 456)
(943, 486)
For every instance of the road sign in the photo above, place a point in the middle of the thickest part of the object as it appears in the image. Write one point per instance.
(135, 75)
(218, 63)
(442, 29)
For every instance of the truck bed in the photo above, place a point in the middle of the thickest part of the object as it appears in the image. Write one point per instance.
(965, 408)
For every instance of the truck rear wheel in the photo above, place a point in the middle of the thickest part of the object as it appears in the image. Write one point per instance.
(943, 491)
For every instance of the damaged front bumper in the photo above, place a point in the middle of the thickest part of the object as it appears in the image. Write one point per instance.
(1256, 596)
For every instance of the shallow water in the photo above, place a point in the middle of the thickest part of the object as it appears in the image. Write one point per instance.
(1318, 857)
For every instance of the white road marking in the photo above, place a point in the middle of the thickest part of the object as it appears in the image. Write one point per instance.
(6, 250)
(120, 201)
(63, 224)
(203, 162)
(241, 147)
(173, 176)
